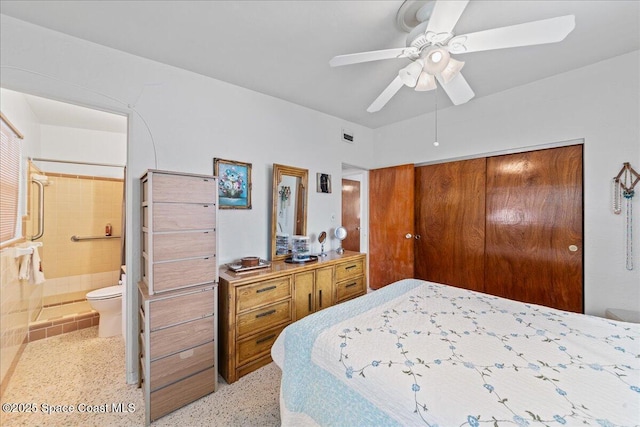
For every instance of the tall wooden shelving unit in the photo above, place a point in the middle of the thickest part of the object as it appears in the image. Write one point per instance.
(178, 293)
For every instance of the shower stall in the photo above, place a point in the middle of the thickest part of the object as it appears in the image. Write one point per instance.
(79, 219)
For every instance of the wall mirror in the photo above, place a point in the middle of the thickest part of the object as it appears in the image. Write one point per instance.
(289, 216)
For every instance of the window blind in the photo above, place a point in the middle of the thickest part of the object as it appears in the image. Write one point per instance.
(9, 179)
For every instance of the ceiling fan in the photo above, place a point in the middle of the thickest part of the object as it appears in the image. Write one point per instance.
(432, 42)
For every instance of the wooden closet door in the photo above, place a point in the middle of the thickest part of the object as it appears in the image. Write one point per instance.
(534, 227)
(391, 213)
(450, 211)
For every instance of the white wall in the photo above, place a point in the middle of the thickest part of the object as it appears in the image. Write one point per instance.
(82, 145)
(190, 119)
(600, 104)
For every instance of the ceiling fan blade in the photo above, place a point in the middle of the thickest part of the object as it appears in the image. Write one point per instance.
(457, 89)
(374, 55)
(386, 95)
(537, 32)
(445, 15)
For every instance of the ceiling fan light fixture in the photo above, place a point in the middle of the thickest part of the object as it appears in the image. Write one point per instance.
(426, 82)
(451, 70)
(409, 75)
(436, 61)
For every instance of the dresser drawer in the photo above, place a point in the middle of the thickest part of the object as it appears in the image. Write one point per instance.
(349, 269)
(177, 338)
(261, 293)
(256, 346)
(183, 189)
(168, 246)
(178, 274)
(178, 366)
(181, 308)
(181, 216)
(350, 288)
(176, 395)
(264, 318)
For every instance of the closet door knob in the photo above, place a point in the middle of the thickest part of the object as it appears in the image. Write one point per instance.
(408, 236)
(573, 248)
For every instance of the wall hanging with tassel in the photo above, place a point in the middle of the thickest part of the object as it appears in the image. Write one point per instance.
(623, 188)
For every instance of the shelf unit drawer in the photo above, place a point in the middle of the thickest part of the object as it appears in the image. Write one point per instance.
(183, 216)
(264, 318)
(181, 365)
(178, 274)
(191, 244)
(182, 308)
(183, 189)
(351, 288)
(252, 296)
(349, 269)
(257, 346)
(174, 339)
(179, 394)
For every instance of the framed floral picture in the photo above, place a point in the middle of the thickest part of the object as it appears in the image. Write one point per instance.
(234, 184)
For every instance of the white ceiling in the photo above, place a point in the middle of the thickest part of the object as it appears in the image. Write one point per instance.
(283, 48)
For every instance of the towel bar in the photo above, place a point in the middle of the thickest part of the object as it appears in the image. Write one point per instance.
(26, 250)
(77, 238)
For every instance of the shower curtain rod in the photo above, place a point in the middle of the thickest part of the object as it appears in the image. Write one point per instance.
(111, 165)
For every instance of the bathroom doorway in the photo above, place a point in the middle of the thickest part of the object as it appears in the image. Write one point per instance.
(75, 177)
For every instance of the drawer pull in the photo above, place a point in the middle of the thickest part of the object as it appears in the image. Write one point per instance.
(265, 339)
(186, 354)
(266, 313)
(350, 267)
(266, 289)
(351, 284)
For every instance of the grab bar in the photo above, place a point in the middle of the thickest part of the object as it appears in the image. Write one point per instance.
(40, 210)
(77, 238)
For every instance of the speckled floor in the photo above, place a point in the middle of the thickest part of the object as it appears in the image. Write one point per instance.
(88, 373)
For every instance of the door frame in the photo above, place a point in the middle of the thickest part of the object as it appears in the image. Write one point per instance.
(579, 141)
(357, 173)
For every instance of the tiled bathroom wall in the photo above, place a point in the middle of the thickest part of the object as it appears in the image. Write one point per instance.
(79, 206)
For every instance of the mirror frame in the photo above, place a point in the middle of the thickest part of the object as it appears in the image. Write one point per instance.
(278, 172)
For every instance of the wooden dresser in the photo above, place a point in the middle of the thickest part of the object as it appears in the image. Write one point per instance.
(178, 293)
(256, 306)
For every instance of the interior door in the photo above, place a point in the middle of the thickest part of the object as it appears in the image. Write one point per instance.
(450, 216)
(534, 227)
(391, 225)
(351, 214)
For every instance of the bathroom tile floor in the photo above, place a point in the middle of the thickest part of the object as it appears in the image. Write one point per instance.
(78, 370)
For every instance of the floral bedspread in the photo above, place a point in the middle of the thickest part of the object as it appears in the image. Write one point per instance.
(419, 353)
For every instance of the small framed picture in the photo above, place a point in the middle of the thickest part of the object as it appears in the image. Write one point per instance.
(234, 184)
(324, 182)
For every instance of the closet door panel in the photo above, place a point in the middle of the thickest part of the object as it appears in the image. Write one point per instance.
(534, 227)
(391, 225)
(450, 220)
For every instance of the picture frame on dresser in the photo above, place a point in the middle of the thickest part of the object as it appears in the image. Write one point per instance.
(234, 183)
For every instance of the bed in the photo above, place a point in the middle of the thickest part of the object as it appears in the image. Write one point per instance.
(419, 353)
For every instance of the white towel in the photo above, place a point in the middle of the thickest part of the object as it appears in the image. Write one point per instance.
(36, 273)
(25, 267)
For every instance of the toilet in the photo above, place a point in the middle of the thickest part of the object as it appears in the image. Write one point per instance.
(108, 302)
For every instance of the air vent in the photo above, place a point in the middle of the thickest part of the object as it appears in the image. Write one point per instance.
(347, 136)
